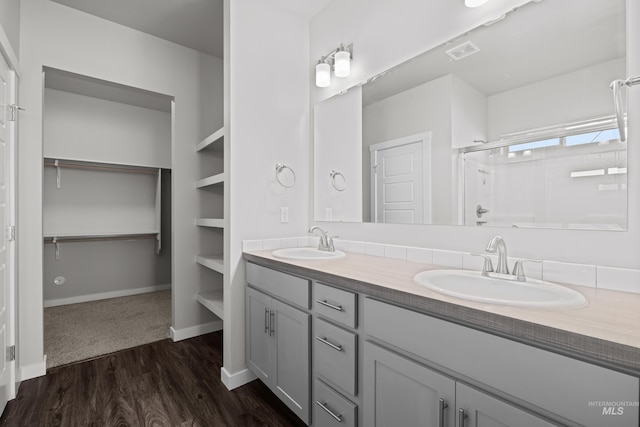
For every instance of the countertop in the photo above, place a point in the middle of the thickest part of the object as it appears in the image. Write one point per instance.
(605, 332)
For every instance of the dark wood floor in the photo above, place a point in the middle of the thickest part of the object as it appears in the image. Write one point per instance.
(158, 384)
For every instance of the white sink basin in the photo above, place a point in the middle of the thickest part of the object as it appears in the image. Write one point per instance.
(307, 254)
(471, 285)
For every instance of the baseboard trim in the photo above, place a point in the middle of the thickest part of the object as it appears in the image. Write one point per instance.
(195, 331)
(238, 379)
(105, 295)
(32, 371)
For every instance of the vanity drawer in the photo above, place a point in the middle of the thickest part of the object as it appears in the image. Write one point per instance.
(335, 304)
(335, 355)
(331, 409)
(284, 286)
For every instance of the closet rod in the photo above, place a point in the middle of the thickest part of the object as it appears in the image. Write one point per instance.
(127, 169)
(100, 238)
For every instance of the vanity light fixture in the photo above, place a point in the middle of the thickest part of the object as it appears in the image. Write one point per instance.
(339, 59)
(474, 3)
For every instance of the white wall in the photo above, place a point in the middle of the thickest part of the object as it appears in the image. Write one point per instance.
(10, 23)
(338, 147)
(63, 38)
(571, 97)
(386, 33)
(81, 127)
(267, 122)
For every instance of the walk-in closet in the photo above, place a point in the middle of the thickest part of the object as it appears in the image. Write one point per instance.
(106, 217)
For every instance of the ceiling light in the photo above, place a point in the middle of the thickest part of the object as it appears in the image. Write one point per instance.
(474, 3)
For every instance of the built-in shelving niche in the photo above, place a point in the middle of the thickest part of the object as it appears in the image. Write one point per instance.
(211, 223)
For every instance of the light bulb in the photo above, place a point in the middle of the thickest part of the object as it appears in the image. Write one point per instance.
(474, 3)
(323, 74)
(342, 66)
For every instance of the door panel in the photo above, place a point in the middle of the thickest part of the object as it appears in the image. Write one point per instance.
(259, 353)
(401, 392)
(292, 358)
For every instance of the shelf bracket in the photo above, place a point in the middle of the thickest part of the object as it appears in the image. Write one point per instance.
(57, 166)
(56, 244)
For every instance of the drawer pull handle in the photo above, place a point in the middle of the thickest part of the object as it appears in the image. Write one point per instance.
(266, 320)
(327, 304)
(272, 323)
(442, 405)
(323, 340)
(461, 417)
(335, 416)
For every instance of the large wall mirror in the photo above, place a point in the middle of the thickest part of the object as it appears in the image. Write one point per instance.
(510, 124)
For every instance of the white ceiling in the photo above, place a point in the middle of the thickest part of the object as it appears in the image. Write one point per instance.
(196, 24)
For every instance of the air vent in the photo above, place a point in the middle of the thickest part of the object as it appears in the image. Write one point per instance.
(462, 50)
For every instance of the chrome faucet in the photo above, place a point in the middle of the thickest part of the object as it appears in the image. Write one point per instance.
(497, 245)
(326, 243)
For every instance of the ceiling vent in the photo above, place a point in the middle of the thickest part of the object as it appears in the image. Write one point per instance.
(462, 50)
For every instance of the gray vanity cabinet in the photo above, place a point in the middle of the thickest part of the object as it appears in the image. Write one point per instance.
(278, 338)
(401, 392)
(478, 409)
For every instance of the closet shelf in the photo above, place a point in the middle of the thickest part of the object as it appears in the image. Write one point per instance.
(213, 300)
(99, 166)
(211, 180)
(211, 142)
(102, 235)
(210, 222)
(214, 262)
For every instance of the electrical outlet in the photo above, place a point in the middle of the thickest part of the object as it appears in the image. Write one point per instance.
(284, 214)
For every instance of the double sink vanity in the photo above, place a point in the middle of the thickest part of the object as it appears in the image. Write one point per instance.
(357, 340)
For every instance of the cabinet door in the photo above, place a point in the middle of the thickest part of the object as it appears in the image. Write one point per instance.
(482, 410)
(291, 382)
(400, 392)
(259, 331)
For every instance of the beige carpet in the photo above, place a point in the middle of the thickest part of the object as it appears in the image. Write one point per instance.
(82, 331)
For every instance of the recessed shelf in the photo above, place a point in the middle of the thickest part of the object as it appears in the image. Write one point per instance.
(211, 180)
(99, 234)
(214, 262)
(211, 141)
(210, 222)
(213, 300)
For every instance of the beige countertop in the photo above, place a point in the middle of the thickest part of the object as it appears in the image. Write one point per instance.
(606, 331)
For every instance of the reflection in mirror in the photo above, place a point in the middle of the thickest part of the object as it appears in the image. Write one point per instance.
(539, 75)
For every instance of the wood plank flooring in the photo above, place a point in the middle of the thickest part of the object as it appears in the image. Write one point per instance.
(158, 384)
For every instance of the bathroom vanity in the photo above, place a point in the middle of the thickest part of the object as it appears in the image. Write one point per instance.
(356, 342)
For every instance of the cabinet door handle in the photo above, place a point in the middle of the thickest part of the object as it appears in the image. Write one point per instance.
(442, 405)
(327, 304)
(272, 328)
(266, 320)
(324, 406)
(461, 417)
(323, 340)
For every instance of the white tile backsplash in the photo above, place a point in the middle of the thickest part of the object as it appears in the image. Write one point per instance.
(612, 278)
(396, 252)
(374, 249)
(421, 255)
(447, 258)
(573, 274)
(618, 279)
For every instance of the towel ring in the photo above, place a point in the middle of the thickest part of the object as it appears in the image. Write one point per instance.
(281, 169)
(338, 181)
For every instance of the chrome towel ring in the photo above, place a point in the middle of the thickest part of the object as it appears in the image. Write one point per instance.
(285, 175)
(338, 181)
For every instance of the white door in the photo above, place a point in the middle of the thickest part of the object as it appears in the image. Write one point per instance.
(7, 245)
(400, 181)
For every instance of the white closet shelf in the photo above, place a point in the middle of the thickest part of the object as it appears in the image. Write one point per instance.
(210, 222)
(211, 180)
(100, 166)
(213, 300)
(214, 262)
(101, 234)
(211, 141)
